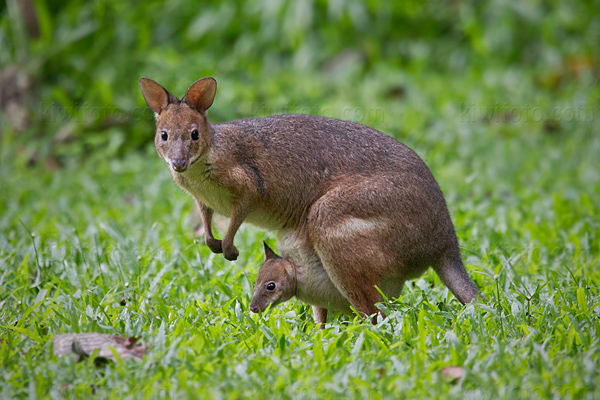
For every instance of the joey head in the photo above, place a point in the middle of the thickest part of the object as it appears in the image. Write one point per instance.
(275, 283)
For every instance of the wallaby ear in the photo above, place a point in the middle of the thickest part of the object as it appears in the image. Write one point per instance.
(155, 95)
(269, 254)
(200, 94)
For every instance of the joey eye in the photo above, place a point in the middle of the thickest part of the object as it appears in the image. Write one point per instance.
(270, 286)
(164, 136)
(195, 134)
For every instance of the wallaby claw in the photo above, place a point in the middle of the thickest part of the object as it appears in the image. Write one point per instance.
(231, 253)
(214, 245)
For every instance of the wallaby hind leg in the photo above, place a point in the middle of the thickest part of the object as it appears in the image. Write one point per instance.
(452, 272)
(362, 296)
(320, 315)
(352, 229)
(355, 271)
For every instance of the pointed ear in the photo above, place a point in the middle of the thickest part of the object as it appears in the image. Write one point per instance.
(269, 254)
(201, 94)
(155, 95)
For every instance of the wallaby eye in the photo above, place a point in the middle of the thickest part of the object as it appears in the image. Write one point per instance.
(164, 136)
(195, 134)
(270, 286)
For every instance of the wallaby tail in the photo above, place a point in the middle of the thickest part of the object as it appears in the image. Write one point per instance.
(452, 272)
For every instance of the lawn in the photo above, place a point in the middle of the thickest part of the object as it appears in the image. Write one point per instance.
(96, 237)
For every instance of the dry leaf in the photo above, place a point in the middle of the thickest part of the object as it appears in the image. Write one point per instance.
(455, 373)
(84, 344)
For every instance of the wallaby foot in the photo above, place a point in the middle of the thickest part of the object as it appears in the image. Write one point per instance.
(230, 253)
(207, 214)
(214, 245)
(452, 272)
(320, 315)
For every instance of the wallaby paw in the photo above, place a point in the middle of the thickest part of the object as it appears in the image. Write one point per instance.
(231, 253)
(214, 245)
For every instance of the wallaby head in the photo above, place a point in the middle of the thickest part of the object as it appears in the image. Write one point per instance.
(275, 283)
(182, 131)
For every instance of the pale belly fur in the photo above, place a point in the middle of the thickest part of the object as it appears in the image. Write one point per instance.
(218, 198)
(314, 285)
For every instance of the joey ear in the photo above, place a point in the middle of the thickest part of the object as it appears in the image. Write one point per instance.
(155, 95)
(269, 254)
(200, 94)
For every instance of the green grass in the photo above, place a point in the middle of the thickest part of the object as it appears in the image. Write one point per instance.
(499, 98)
(75, 241)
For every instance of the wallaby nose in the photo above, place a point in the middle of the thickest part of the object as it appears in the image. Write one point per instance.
(179, 165)
(254, 308)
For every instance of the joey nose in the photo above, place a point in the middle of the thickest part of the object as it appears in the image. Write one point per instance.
(179, 165)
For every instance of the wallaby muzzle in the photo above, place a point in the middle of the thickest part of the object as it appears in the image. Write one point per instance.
(179, 165)
(254, 308)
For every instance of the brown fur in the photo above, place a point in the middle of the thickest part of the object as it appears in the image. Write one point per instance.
(352, 205)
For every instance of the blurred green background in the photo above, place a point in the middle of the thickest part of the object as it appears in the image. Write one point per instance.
(70, 68)
(500, 98)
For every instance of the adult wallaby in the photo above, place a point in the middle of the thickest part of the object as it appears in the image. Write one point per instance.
(350, 203)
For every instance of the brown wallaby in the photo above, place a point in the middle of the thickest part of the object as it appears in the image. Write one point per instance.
(352, 205)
